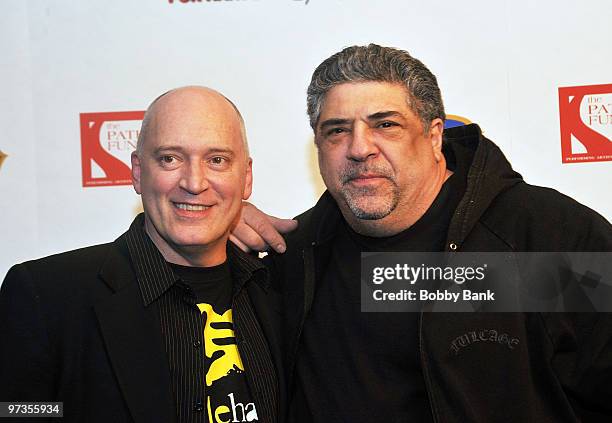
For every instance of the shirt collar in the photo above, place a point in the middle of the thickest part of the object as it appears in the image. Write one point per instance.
(244, 267)
(152, 271)
(155, 276)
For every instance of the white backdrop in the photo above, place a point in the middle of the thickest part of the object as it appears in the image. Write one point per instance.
(499, 64)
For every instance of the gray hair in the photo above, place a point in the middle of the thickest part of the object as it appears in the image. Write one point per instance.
(376, 63)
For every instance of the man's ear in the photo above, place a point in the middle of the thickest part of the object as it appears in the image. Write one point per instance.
(436, 128)
(136, 172)
(248, 180)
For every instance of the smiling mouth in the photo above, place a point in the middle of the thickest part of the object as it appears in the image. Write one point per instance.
(190, 207)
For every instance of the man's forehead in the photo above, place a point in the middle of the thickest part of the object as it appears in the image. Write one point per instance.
(194, 132)
(362, 99)
(186, 120)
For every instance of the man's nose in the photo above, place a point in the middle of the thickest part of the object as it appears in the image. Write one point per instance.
(194, 178)
(362, 144)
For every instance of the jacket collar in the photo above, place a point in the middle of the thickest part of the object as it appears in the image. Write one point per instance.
(155, 276)
(489, 175)
(327, 213)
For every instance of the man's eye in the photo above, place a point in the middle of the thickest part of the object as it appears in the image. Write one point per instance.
(167, 159)
(387, 124)
(218, 160)
(335, 131)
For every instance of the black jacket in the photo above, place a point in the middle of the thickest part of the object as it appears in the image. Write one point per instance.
(486, 367)
(73, 328)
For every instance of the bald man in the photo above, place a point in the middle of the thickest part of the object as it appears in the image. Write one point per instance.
(169, 322)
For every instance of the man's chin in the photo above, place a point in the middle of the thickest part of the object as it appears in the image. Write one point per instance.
(369, 214)
(369, 207)
(194, 243)
(369, 211)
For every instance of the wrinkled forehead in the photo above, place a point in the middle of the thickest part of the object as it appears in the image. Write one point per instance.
(355, 99)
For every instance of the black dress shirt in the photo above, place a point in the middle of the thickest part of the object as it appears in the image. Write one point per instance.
(182, 327)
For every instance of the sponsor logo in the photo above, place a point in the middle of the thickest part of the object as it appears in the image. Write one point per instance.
(2, 158)
(107, 142)
(455, 120)
(586, 123)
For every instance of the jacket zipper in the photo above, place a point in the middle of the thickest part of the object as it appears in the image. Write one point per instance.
(428, 386)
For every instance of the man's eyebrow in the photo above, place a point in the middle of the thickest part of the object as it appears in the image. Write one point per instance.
(168, 148)
(385, 114)
(334, 122)
(215, 150)
(180, 149)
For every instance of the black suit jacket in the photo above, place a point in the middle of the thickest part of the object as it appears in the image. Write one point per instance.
(73, 328)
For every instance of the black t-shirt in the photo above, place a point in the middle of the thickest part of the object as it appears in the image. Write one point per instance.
(227, 392)
(365, 367)
(212, 285)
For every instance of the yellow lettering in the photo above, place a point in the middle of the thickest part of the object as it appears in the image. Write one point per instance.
(222, 409)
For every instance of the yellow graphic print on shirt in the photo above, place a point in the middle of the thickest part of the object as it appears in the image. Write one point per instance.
(222, 351)
(229, 356)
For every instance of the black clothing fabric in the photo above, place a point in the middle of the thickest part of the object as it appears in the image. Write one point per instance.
(559, 366)
(182, 324)
(210, 290)
(211, 285)
(375, 354)
(85, 327)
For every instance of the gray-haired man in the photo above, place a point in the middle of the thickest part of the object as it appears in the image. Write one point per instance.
(397, 183)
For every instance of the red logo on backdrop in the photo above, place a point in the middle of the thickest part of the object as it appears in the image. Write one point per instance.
(107, 142)
(586, 123)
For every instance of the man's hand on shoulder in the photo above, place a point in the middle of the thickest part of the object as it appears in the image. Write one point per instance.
(258, 231)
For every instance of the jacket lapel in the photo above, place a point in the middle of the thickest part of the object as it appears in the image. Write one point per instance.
(132, 335)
